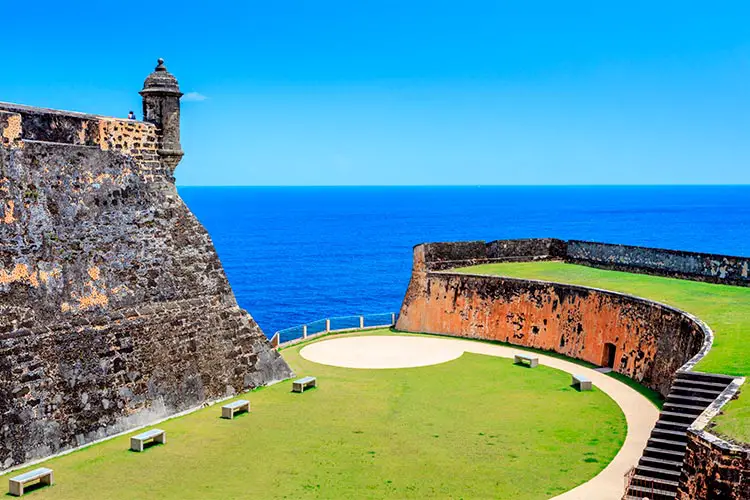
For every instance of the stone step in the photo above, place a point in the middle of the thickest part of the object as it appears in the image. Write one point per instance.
(694, 400)
(652, 451)
(640, 492)
(700, 384)
(707, 377)
(641, 497)
(667, 444)
(672, 424)
(661, 463)
(679, 417)
(669, 434)
(662, 484)
(692, 391)
(692, 409)
(656, 472)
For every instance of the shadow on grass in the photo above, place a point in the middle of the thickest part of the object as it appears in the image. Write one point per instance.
(309, 389)
(236, 416)
(31, 489)
(577, 387)
(146, 446)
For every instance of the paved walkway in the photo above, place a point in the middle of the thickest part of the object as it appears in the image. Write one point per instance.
(381, 352)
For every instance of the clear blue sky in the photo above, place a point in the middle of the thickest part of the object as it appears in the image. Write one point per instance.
(411, 92)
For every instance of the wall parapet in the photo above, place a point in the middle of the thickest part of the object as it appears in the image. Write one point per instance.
(446, 255)
(25, 125)
(697, 266)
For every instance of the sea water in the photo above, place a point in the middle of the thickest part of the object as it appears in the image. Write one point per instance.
(298, 254)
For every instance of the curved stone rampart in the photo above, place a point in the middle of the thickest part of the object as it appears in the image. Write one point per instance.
(651, 341)
(647, 341)
(714, 268)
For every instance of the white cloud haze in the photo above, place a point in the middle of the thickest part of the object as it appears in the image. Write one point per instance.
(194, 97)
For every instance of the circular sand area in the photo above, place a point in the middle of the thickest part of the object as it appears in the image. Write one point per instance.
(382, 352)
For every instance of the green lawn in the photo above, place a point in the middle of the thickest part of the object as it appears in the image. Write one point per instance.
(726, 309)
(476, 427)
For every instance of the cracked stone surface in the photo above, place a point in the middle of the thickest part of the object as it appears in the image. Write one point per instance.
(114, 308)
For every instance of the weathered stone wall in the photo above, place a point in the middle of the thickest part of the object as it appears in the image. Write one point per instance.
(714, 470)
(114, 307)
(673, 263)
(438, 256)
(652, 341)
(528, 249)
(657, 261)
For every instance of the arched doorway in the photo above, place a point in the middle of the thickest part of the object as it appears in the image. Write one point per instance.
(610, 352)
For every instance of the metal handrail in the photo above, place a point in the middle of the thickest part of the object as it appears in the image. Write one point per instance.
(360, 324)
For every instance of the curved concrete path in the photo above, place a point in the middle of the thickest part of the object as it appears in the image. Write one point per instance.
(382, 352)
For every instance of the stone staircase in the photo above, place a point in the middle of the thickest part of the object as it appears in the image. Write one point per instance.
(658, 473)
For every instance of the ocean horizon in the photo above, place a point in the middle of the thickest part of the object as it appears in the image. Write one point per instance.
(296, 254)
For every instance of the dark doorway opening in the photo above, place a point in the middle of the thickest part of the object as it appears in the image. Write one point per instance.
(610, 350)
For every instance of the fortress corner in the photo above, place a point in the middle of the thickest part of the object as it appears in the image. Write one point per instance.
(115, 310)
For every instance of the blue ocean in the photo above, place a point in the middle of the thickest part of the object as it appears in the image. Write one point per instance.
(298, 254)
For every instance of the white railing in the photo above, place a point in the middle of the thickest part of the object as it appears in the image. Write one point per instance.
(299, 333)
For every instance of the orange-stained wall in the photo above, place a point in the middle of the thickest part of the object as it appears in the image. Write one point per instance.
(652, 341)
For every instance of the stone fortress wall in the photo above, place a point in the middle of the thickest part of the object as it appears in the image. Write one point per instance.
(657, 261)
(648, 342)
(114, 308)
(572, 320)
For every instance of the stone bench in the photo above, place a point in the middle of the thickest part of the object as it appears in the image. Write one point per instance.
(16, 484)
(155, 435)
(228, 410)
(300, 385)
(582, 382)
(519, 359)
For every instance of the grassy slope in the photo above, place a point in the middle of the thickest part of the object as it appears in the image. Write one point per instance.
(476, 427)
(726, 309)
